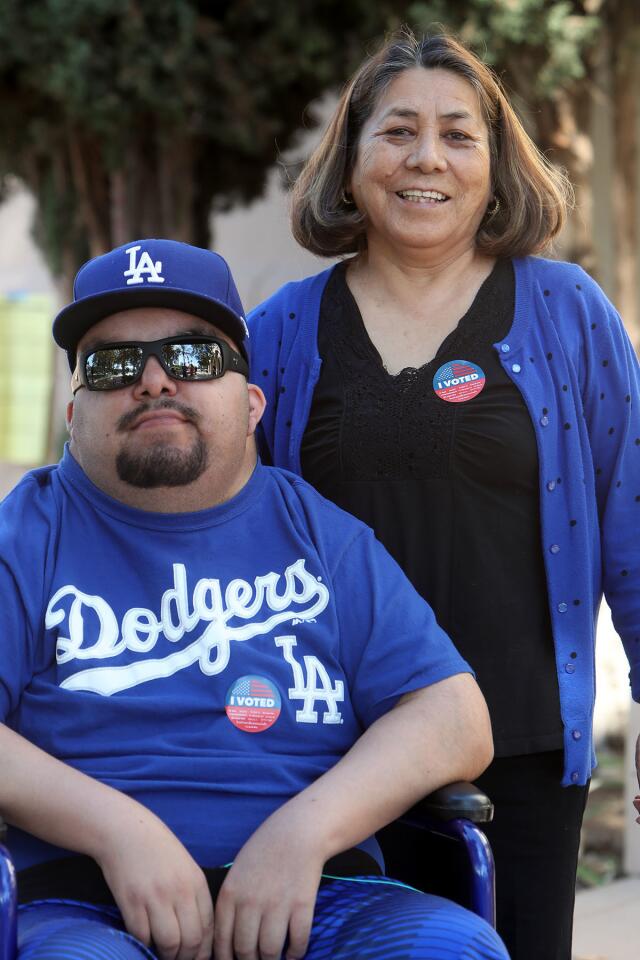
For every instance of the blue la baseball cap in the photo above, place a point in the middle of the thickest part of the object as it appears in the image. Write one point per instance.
(152, 273)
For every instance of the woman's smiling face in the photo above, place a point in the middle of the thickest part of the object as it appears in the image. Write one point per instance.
(422, 175)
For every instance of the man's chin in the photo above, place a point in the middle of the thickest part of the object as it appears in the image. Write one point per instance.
(162, 465)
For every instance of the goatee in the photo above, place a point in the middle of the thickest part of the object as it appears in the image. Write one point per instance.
(162, 466)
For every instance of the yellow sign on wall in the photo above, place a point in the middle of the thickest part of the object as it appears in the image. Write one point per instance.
(26, 371)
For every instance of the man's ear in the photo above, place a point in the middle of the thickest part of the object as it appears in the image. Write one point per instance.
(69, 417)
(257, 403)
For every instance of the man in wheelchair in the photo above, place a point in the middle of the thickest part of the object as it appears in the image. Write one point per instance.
(215, 685)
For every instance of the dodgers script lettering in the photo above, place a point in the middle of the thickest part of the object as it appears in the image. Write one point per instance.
(270, 600)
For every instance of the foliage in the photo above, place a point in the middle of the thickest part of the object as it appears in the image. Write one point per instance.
(548, 38)
(136, 117)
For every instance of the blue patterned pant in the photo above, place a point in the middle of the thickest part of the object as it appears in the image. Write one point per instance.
(355, 919)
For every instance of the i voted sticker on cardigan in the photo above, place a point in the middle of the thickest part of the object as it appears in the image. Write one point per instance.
(458, 381)
(252, 703)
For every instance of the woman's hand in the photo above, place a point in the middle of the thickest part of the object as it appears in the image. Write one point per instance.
(160, 890)
(269, 894)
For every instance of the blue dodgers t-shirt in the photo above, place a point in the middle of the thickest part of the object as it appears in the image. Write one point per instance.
(209, 664)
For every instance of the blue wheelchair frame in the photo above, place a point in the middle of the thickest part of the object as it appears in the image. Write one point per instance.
(454, 811)
(8, 906)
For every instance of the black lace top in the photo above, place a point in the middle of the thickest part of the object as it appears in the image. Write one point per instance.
(451, 489)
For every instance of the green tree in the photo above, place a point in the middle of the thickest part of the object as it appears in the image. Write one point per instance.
(134, 118)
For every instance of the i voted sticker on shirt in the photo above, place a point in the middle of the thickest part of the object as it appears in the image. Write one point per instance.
(458, 381)
(252, 703)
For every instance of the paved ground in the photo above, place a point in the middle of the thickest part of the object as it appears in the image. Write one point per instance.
(607, 915)
(607, 922)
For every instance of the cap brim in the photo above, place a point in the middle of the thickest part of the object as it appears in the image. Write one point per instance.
(74, 320)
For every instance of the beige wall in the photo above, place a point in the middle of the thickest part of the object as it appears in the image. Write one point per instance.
(9, 476)
(22, 267)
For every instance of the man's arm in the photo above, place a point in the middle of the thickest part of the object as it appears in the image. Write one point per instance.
(161, 892)
(433, 736)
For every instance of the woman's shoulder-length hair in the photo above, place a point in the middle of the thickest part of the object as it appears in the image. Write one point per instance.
(532, 195)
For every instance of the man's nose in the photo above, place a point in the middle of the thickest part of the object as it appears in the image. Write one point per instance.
(155, 381)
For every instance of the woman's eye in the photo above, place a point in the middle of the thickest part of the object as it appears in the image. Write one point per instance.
(457, 135)
(399, 132)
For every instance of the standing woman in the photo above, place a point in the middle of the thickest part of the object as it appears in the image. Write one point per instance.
(478, 407)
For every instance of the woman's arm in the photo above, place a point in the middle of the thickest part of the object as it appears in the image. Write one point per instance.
(612, 414)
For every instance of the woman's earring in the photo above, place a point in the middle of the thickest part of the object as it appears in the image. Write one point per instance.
(492, 209)
(345, 198)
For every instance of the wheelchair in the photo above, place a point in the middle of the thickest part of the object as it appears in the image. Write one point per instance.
(450, 818)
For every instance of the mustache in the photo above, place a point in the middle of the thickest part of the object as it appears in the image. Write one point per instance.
(128, 420)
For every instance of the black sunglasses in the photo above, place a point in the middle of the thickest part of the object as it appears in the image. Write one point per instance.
(112, 366)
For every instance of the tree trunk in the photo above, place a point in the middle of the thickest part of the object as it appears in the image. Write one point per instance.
(119, 207)
(560, 126)
(88, 178)
(176, 188)
(563, 135)
(626, 87)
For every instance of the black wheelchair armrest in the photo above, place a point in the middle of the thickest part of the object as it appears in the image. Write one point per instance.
(455, 800)
(446, 829)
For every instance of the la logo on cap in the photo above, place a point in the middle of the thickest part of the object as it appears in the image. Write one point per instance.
(145, 268)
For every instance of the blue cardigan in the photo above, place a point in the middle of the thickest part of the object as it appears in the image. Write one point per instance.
(569, 355)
